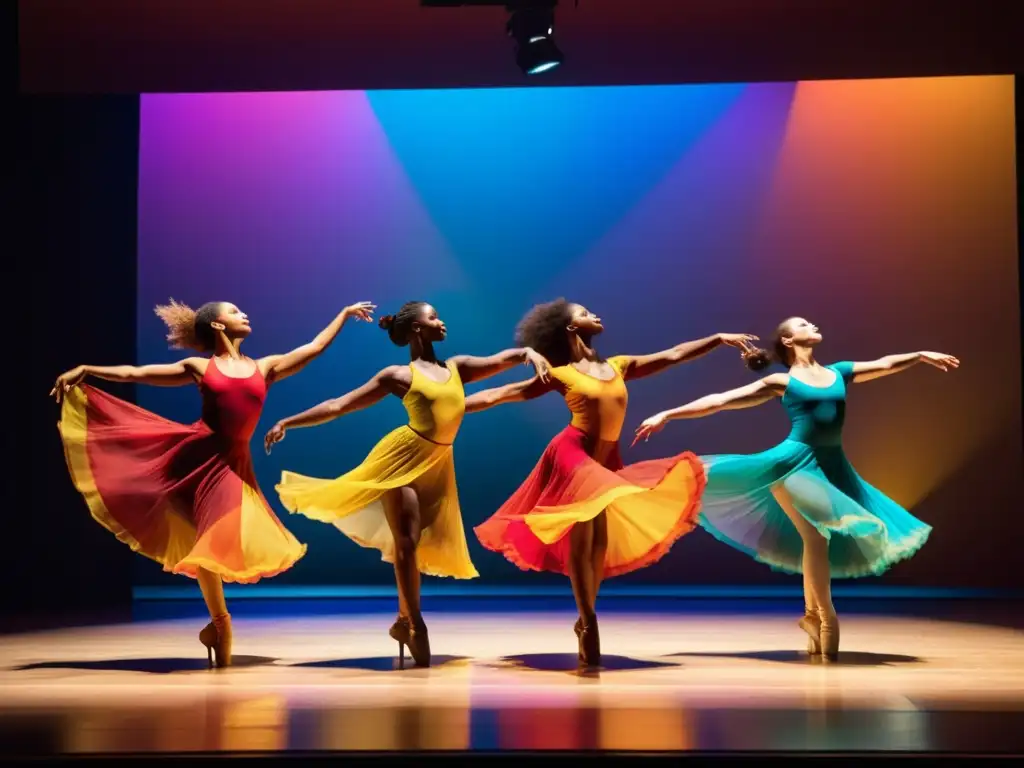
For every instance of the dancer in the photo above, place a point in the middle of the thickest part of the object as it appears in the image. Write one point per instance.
(580, 512)
(801, 506)
(402, 499)
(186, 495)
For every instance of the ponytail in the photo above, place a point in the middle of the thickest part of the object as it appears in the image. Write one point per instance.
(188, 328)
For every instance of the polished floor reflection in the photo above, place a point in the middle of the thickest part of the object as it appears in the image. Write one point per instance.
(670, 682)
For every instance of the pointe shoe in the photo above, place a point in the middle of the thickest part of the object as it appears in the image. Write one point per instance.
(217, 637)
(811, 624)
(411, 635)
(590, 644)
(830, 637)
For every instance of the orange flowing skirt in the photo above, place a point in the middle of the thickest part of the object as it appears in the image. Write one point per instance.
(649, 505)
(179, 494)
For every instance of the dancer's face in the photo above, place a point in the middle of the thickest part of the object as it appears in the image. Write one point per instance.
(800, 332)
(233, 321)
(429, 326)
(584, 321)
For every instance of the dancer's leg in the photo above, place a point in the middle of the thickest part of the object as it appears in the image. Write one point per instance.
(217, 635)
(581, 543)
(213, 592)
(401, 507)
(817, 575)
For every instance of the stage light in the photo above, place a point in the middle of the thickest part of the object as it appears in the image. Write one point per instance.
(532, 26)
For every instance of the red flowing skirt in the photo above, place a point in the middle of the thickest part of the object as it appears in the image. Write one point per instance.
(649, 506)
(179, 494)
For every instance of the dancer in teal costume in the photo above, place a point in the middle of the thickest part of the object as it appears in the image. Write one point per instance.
(801, 506)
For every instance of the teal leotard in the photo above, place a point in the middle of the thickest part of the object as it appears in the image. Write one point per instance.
(867, 530)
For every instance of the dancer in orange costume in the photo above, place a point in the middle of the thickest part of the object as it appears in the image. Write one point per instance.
(185, 495)
(581, 512)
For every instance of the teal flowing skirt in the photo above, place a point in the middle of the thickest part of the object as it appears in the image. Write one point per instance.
(867, 531)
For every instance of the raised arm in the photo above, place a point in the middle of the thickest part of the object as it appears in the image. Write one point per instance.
(890, 364)
(277, 367)
(647, 365)
(510, 393)
(161, 375)
(742, 397)
(388, 381)
(478, 368)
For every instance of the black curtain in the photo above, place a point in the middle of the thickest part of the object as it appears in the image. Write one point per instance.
(75, 215)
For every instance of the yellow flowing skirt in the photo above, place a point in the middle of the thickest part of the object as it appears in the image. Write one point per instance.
(353, 503)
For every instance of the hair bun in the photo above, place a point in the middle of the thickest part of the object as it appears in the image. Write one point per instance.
(758, 359)
(386, 322)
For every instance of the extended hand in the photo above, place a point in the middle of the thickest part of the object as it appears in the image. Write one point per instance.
(939, 360)
(361, 311)
(741, 341)
(650, 426)
(275, 435)
(539, 363)
(66, 381)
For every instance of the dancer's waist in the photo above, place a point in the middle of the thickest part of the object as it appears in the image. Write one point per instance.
(429, 439)
(817, 440)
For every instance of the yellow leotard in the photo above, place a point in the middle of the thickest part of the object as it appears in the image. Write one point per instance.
(598, 406)
(419, 456)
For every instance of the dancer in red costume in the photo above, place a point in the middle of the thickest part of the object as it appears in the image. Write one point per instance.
(186, 495)
(581, 512)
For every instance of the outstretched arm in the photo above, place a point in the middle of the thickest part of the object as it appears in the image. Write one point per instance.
(742, 397)
(510, 393)
(647, 365)
(161, 375)
(890, 364)
(277, 367)
(384, 383)
(478, 368)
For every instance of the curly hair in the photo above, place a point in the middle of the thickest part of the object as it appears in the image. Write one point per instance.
(399, 325)
(543, 329)
(760, 359)
(189, 328)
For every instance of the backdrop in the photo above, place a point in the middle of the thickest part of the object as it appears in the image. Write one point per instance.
(882, 210)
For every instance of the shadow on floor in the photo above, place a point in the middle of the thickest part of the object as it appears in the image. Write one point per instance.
(383, 663)
(846, 658)
(152, 666)
(569, 662)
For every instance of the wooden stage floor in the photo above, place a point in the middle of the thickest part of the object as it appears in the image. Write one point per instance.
(716, 680)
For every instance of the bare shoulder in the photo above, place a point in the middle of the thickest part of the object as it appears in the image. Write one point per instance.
(396, 378)
(266, 364)
(196, 365)
(394, 373)
(776, 382)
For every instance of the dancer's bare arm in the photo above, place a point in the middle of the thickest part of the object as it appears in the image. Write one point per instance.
(890, 364)
(751, 395)
(277, 367)
(393, 380)
(517, 392)
(160, 375)
(648, 365)
(473, 368)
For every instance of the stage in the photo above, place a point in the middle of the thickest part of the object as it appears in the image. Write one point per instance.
(697, 676)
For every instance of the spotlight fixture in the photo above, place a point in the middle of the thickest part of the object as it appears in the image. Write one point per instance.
(531, 23)
(532, 26)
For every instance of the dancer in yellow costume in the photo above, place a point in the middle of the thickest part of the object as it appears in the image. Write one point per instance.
(402, 499)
